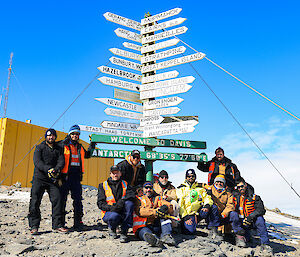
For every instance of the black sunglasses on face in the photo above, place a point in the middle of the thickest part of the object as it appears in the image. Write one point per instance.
(148, 187)
(191, 176)
(163, 176)
(136, 157)
(238, 187)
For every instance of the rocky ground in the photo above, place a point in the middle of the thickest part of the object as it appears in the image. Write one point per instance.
(16, 240)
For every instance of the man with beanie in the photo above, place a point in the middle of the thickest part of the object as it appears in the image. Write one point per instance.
(74, 154)
(133, 171)
(195, 205)
(150, 218)
(48, 161)
(220, 165)
(223, 199)
(115, 200)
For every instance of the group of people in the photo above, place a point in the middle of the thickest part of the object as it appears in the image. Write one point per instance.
(154, 211)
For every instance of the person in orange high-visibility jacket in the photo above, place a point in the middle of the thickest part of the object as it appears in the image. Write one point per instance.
(251, 209)
(149, 219)
(115, 200)
(72, 173)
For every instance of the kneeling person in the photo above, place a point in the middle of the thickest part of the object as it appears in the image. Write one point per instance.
(151, 218)
(115, 200)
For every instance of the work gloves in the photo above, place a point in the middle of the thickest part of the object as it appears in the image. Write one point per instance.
(246, 222)
(52, 173)
(118, 207)
(162, 211)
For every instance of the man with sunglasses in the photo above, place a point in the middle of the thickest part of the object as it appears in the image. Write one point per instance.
(251, 209)
(133, 171)
(195, 205)
(72, 173)
(149, 218)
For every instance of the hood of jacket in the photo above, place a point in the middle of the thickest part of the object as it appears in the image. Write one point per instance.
(224, 160)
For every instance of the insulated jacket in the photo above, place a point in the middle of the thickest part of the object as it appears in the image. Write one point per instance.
(168, 190)
(117, 192)
(223, 200)
(133, 175)
(187, 207)
(45, 158)
(224, 167)
(145, 210)
(249, 206)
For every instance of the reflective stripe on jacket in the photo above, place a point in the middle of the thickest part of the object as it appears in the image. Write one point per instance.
(246, 207)
(73, 157)
(139, 222)
(110, 199)
(221, 168)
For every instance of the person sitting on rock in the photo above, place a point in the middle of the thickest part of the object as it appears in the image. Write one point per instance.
(150, 218)
(195, 205)
(223, 199)
(115, 200)
(251, 209)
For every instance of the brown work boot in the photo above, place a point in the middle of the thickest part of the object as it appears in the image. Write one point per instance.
(34, 231)
(61, 230)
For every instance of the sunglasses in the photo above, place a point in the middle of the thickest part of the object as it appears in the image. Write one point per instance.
(238, 187)
(148, 187)
(77, 134)
(191, 176)
(136, 157)
(163, 176)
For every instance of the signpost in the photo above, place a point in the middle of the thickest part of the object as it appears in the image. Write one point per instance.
(167, 83)
(120, 73)
(170, 131)
(126, 54)
(123, 114)
(180, 124)
(120, 125)
(161, 16)
(119, 83)
(125, 63)
(151, 120)
(132, 46)
(164, 102)
(116, 132)
(162, 111)
(162, 25)
(121, 104)
(161, 76)
(124, 33)
(161, 45)
(165, 34)
(164, 54)
(126, 95)
(172, 90)
(122, 21)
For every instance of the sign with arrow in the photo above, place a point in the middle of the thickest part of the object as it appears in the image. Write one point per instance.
(170, 119)
(164, 54)
(180, 124)
(167, 83)
(165, 132)
(163, 25)
(119, 83)
(121, 104)
(151, 120)
(125, 63)
(161, 16)
(132, 46)
(162, 111)
(160, 76)
(161, 45)
(120, 125)
(165, 91)
(126, 54)
(120, 73)
(123, 114)
(127, 96)
(173, 62)
(116, 132)
(163, 102)
(122, 21)
(124, 33)
(165, 34)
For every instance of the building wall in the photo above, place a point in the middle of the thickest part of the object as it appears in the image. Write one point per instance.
(18, 138)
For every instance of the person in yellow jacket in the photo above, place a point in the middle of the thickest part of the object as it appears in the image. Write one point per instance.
(195, 205)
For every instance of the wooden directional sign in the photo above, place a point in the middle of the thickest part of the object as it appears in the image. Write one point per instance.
(160, 103)
(164, 54)
(167, 83)
(165, 132)
(119, 83)
(116, 132)
(161, 45)
(162, 111)
(125, 63)
(160, 76)
(122, 21)
(162, 25)
(123, 114)
(156, 142)
(126, 54)
(120, 125)
(151, 120)
(165, 34)
(120, 73)
(124, 33)
(181, 124)
(173, 62)
(161, 16)
(132, 46)
(151, 155)
(170, 119)
(127, 96)
(121, 104)
(165, 91)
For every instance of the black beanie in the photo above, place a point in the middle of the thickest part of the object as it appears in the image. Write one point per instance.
(190, 172)
(50, 131)
(163, 173)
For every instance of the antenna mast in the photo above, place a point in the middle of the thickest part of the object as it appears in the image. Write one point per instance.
(8, 82)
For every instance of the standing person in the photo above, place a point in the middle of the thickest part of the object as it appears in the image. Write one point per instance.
(115, 200)
(195, 205)
(133, 171)
(149, 220)
(48, 162)
(220, 165)
(74, 154)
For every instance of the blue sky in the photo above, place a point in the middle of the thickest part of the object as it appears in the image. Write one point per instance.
(58, 46)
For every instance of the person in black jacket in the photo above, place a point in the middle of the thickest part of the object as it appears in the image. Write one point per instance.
(220, 165)
(115, 200)
(251, 209)
(48, 161)
(133, 171)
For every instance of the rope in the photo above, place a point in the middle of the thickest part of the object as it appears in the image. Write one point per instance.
(63, 113)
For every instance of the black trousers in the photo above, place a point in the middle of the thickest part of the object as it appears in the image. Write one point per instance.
(72, 184)
(37, 191)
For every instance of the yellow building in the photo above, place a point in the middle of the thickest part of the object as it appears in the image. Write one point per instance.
(17, 145)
